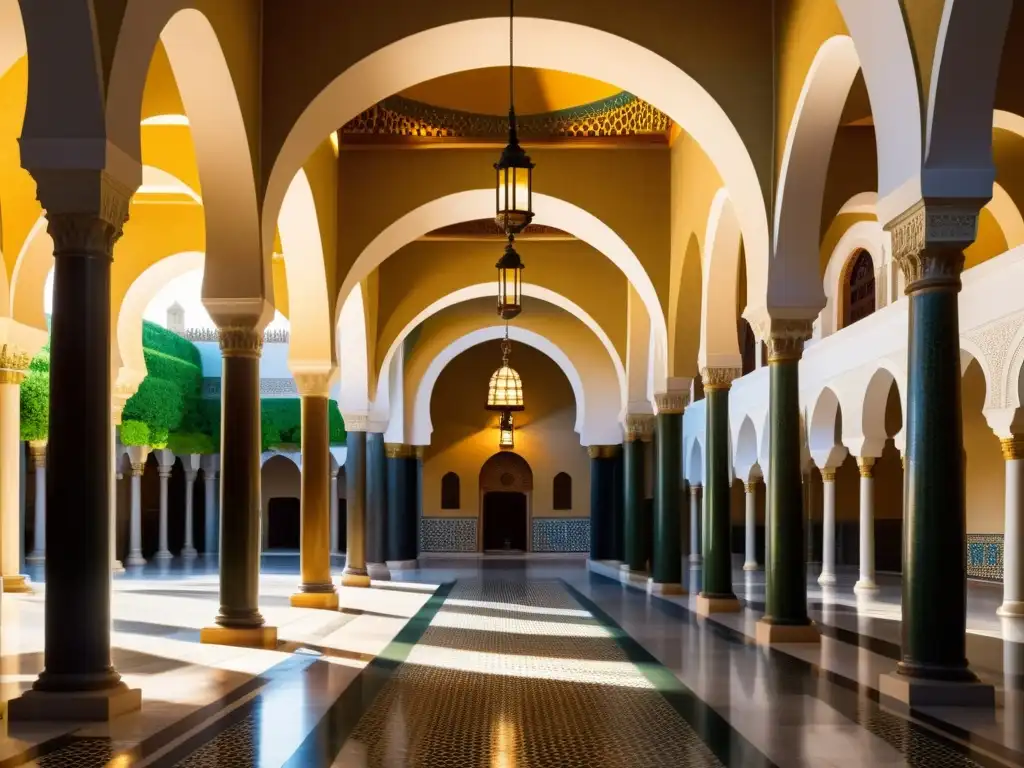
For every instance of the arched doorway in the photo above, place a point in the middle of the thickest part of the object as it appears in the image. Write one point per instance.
(858, 289)
(506, 485)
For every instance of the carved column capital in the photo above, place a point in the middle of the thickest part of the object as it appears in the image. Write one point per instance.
(928, 241)
(138, 467)
(37, 453)
(1013, 447)
(639, 426)
(785, 338)
(751, 487)
(356, 422)
(695, 489)
(241, 341)
(14, 363)
(671, 402)
(398, 451)
(866, 465)
(718, 378)
(828, 474)
(313, 383)
(163, 471)
(603, 451)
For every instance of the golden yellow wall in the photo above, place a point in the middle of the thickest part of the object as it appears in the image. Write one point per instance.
(17, 188)
(989, 242)
(852, 169)
(986, 477)
(835, 233)
(465, 435)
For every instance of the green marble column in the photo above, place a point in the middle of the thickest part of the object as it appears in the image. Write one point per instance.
(785, 618)
(355, 574)
(716, 593)
(602, 500)
(401, 476)
(376, 508)
(618, 544)
(667, 567)
(639, 430)
(928, 242)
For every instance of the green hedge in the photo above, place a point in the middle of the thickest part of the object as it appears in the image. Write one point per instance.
(159, 339)
(280, 422)
(35, 398)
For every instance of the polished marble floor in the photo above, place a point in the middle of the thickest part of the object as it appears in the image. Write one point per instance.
(510, 663)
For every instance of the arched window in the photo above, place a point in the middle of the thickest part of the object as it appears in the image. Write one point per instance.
(450, 491)
(562, 491)
(860, 289)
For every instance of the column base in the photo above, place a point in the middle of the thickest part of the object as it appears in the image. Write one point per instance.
(134, 560)
(865, 587)
(354, 578)
(326, 601)
(768, 633)
(709, 605)
(36, 558)
(378, 572)
(750, 566)
(696, 559)
(827, 579)
(403, 565)
(116, 568)
(636, 578)
(162, 556)
(243, 637)
(659, 588)
(1011, 608)
(17, 583)
(88, 706)
(915, 692)
(189, 553)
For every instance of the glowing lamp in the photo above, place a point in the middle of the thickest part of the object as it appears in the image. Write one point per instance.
(506, 432)
(514, 187)
(510, 282)
(505, 392)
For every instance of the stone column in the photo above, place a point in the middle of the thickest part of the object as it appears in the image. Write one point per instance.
(401, 479)
(165, 464)
(716, 594)
(866, 582)
(191, 464)
(927, 242)
(239, 621)
(750, 523)
(118, 401)
(1013, 536)
(667, 566)
(13, 364)
(828, 528)
(37, 453)
(334, 511)
(376, 508)
(211, 519)
(85, 212)
(316, 590)
(639, 431)
(785, 618)
(602, 500)
(355, 574)
(696, 509)
(137, 454)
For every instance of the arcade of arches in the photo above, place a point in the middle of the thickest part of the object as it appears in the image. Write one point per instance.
(771, 348)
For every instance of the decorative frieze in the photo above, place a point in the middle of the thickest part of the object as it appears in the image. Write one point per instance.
(639, 426)
(239, 341)
(928, 241)
(671, 402)
(555, 534)
(603, 451)
(719, 378)
(274, 387)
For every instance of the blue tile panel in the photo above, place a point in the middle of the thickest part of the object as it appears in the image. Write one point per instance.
(448, 534)
(561, 534)
(985, 556)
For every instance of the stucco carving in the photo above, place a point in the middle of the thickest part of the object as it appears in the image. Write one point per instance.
(719, 378)
(309, 384)
(236, 341)
(639, 427)
(399, 451)
(785, 338)
(671, 402)
(13, 364)
(928, 240)
(356, 422)
(994, 341)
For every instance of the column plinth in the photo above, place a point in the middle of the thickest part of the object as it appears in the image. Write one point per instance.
(828, 528)
(355, 574)
(639, 431)
(667, 560)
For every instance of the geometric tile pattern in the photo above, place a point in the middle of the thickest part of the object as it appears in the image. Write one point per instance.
(81, 753)
(985, 556)
(234, 747)
(915, 742)
(553, 534)
(447, 534)
(519, 674)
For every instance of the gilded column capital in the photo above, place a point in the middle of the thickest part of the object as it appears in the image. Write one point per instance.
(928, 241)
(356, 422)
(695, 489)
(671, 402)
(138, 467)
(718, 378)
(639, 427)
(866, 465)
(398, 451)
(241, 341)
(751, 487)
(14, 363)
(419, 451)
(785, 338)
(313, 383)
(1013, 448)
(37, 453)
(603, 451)
(828, 474)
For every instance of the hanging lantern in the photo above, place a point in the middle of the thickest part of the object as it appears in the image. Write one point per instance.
(514, 170)
(510, 282)
(505, 392)
(506, 436)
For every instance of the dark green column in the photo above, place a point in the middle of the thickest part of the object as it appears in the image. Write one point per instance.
(639, 429)
(786, 569)
(602, 500)
(376, 507)
(355, 574)
(401, 477)
(618, 511)
(928, 244)
(717, 574)
(666, 566)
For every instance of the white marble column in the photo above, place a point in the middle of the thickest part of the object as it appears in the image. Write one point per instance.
(828, 527)
(696, 511)
(750, 508)
(188, 550)
(1013, 532)
(37, 452)
(866, 582)
(117, 408)
(12, 373)
(165, 463)
(135, 530)
(211, 522)
(334, 511)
